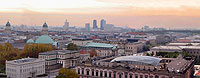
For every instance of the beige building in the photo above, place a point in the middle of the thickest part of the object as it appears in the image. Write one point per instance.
(24, 68)
(81, 42)
(66, 58)
(133, 48)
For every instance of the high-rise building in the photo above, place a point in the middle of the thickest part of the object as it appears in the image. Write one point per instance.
(87, 26)
(103, 23)
(95, 24)
(66, 25)
(44, 29)
(8, 28)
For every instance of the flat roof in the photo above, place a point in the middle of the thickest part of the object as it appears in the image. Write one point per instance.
(178, 65)
(182, 44)
(99, 45)
(24, 61)
(57, 51)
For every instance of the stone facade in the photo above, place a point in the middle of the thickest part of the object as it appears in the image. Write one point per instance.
(24, 68)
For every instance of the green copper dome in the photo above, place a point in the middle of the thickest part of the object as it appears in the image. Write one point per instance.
(8, 24)
(44, 39)
(30, 41)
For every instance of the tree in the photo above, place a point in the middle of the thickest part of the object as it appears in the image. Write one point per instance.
(33, 50)
(7, 52)
(72, 46)
(67, 73)
(93, 53)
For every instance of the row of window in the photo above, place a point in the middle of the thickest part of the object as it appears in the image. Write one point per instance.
(114, 74)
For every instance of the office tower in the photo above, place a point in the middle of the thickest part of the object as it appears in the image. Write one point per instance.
(95, 24)
(44, 29)
(8, 28)
(87, 26)
(66, 25)
(103, 23)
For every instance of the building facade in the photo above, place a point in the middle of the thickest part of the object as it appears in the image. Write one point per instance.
(45, 29)
(102, 24)
(87, 26)
(66, 25)
(136, 67)
(95, 24)
(24, 68)
(65, 58)
(133, 48)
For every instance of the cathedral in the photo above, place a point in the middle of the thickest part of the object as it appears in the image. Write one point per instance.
(8, 28)
(44, 29)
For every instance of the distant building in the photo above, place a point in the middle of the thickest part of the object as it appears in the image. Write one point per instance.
(108, 27)
(25, 68)
(66, 25)
(80, 41)
(102, 49)
(8, 28)
(43, 39)
(87, 26)
(145, 28)
(133, 48)
(103, 23)
(44, 29)
(191, 50)
(95, 24)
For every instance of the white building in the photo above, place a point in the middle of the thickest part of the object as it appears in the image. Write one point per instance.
(81, 42)
(24, 68)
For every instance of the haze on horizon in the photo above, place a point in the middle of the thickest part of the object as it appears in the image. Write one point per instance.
(133, 13)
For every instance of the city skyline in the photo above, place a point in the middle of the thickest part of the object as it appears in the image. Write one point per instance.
(131, 13)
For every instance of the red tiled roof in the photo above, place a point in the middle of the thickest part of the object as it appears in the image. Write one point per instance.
(184, 40)
(93, 37)
(83, 52)
(136, 33)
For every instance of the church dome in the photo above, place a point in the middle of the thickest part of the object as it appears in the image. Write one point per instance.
(30, 41)
(45, 25)
(44, 39)
(8, 24)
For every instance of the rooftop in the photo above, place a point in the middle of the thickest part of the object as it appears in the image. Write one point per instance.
(30, 41)
(57, 51)
(44, 39)
(99, 45)
(178, 65)
(24, 60)
(183, 44)
(142, 59)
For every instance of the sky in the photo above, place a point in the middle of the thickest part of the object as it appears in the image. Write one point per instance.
(131, 13)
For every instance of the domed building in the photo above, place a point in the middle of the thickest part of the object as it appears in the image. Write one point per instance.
(44, 29)
(8, 28)
(44, 39)
(30, 41)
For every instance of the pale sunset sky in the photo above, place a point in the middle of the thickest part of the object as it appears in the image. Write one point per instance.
(133, 13)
